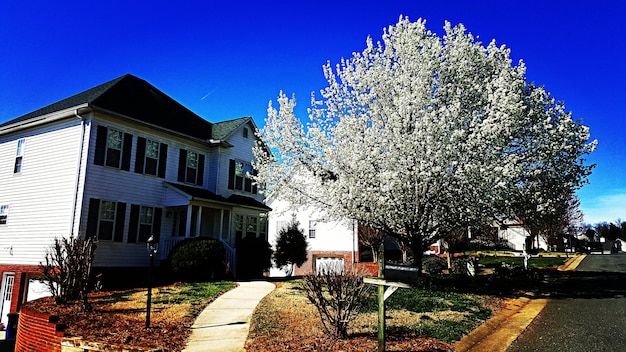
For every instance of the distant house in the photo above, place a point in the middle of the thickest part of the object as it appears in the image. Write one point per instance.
(119, 162)
(331, 243)
(515, 235)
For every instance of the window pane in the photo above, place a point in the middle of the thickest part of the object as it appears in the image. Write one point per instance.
(239, 168)
(114, 140)
(152, 149)
(146, 215)
(191, 175)
(107, 211)
(105, 230)
(18, 165)
(20, 147)
(151, 166)
(192, 160)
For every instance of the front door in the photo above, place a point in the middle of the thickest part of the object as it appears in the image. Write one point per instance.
(7, 293)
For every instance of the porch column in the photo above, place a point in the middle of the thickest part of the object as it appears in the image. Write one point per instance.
(188, 221)
(221, 234)
(199, 221)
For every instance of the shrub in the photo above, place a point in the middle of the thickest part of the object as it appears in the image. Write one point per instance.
(67, 269)
(197, 259)
(433, 265)
(291, 246)
(338, 297)
(254, 257)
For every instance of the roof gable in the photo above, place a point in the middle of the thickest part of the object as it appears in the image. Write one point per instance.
(135, 98)
(223, 130)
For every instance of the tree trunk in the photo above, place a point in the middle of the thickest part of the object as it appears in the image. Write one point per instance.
(418, 251)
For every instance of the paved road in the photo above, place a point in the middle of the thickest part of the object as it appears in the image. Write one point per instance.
(586, 311)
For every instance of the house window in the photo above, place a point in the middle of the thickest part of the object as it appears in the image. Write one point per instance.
(240, 176)
(146, 220)
(4, 214)
(191, 167)
(106, 221)
(152, 157)
(245, 132)
(114, 148)
(312, 228)
(18, 157)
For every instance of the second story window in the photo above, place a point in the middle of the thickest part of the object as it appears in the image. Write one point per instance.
(191, 172)
(151, 157)
(4, 214)
(239, 177)
(19, 153)
(191, 167)
(113, 148)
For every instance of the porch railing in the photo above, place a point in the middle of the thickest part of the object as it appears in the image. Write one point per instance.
(231, 258)
(166, 246)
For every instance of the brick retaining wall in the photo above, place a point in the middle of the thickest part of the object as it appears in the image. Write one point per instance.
(38, 332)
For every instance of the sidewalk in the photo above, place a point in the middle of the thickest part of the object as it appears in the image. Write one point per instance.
(223, 325)
(499, 332)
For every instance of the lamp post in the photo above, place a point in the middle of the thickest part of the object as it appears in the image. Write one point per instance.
(153, 247)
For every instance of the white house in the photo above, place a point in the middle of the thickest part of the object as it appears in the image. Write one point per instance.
(329, 242)
(119, 162)
(515, 234)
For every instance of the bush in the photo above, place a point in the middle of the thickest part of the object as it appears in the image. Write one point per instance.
(338, 297)
(67, 269)
(197, 259)
(291, 246)
(254, 257)
(433, 265)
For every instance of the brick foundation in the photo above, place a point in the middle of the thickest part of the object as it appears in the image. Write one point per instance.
(21, 273)
(37, 332)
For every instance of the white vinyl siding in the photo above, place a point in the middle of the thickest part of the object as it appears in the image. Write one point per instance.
(41, 199)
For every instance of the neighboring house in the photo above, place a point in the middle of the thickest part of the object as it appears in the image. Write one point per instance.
(514, 233)
(119, 162)
(331, 243)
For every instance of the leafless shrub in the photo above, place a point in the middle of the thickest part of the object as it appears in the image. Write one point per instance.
(67, 269)
(338, 297)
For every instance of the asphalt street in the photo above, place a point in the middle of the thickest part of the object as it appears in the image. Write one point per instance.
(586, 310)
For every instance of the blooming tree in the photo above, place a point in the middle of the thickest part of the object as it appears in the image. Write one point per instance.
(416, 136)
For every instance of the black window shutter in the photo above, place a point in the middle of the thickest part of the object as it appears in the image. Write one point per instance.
(140, 155)
(133, 223)
(120, 218)
(156, 227)
(162, 160)
(182, 165)
(128, 144)
(200, 179)
(92, 217)
(101, 144)
(231, 174)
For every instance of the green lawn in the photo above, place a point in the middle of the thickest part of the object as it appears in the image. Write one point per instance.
(534, 262)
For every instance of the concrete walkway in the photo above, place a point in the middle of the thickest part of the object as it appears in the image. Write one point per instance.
(223, 325)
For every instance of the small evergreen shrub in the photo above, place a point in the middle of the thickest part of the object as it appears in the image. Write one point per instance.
(254, 257)
(433, 265)
(197, 259)
(291, 246)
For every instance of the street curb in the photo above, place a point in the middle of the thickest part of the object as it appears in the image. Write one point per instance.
(572, 263)
(499, 332)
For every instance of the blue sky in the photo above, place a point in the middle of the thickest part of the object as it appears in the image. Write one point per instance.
(227, 59)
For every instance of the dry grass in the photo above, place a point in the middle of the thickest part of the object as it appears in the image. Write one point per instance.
(118, 317)
(285, 321)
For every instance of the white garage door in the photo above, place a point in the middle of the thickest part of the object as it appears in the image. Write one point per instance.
(324, 265)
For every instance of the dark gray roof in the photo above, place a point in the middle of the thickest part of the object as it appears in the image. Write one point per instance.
(223, 129)
(135, 98)
(205, 194)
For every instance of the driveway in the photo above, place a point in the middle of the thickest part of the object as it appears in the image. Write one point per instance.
(586, 311)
